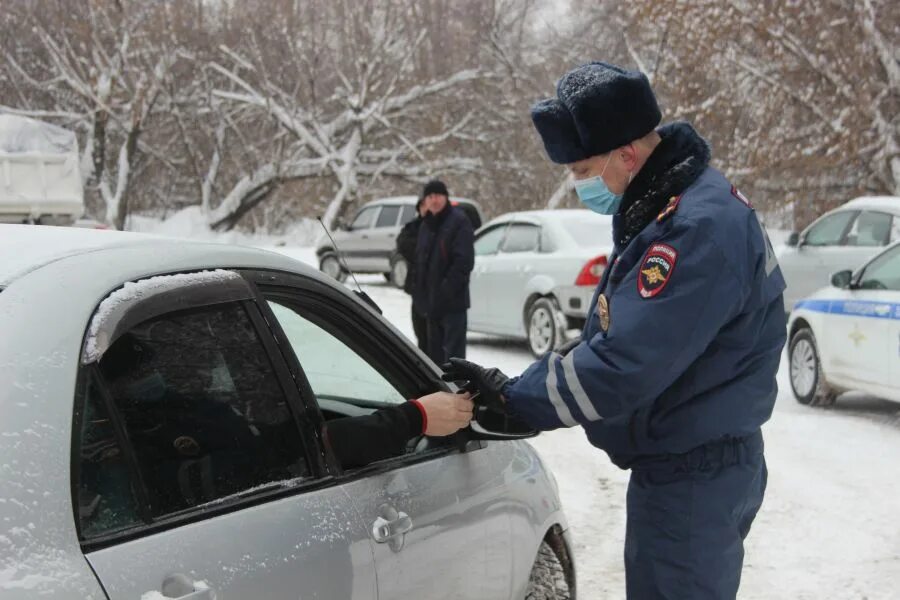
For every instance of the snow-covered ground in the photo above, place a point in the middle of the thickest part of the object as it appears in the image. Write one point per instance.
(830, 524)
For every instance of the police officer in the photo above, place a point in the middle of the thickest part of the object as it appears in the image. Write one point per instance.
(675, 370)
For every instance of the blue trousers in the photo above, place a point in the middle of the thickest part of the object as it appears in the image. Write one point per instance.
(688, 515)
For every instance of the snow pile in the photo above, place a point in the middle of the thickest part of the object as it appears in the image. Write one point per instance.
(191, 223)
(120, 300)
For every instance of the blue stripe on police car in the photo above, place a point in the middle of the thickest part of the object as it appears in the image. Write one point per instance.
(853, 308)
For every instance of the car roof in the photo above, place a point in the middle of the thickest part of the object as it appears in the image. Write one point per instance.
(551, 215)
(890, 203)
(411, 200)
(28, 247)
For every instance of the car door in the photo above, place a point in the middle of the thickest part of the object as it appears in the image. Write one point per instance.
(436, 515)
(879, 284)
(806, 266)
(384, 237)
(514, 266)
(196, 470)
(861, 333)
(356, 243)
(482, 284)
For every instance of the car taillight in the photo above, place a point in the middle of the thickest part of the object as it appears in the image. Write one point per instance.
(592, 271)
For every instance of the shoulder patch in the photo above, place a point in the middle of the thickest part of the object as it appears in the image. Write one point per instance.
(737, 194)
(656, 269)
(670, 208)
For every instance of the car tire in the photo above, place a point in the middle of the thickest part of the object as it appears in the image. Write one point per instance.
(547, 580)
(330, 264)
(806, 375)
(399, 272)
(543, 326)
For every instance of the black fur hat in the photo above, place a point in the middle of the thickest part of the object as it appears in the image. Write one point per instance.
(599, 107)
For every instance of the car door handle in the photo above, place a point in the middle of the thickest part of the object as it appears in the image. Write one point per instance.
(182, 587)
(391, 527)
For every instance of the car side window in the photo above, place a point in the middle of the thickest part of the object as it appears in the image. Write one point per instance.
(895, 229)
(870, 229)
(829, 231)
(202, 407)
(488, 241)
(407, 214)
(883, 273)
(334, 370)
(365, 218)
(521, 237)
(388, 216)
(106, 500)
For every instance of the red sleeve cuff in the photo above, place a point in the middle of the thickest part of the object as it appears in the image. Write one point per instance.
(424, 414)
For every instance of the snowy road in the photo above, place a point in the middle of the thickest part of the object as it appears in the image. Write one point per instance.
(830, 525)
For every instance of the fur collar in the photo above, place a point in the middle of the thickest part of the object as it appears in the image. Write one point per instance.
(674, 165)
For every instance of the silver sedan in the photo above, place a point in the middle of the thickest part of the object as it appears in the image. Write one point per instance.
(160, 432)
(535, 274)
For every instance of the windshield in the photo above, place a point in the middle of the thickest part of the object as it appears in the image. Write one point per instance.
(588, 232)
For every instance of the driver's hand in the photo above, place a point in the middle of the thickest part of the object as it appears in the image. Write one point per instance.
(446, 413)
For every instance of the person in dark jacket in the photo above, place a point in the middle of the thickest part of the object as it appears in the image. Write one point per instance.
(445, 255)
(406, 247)
(675, 370)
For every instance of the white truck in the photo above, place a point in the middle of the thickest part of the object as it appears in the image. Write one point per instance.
(39, 173)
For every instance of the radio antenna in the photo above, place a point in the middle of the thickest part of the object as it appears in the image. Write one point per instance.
(340, 255)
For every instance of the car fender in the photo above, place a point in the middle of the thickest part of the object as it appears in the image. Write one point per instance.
(541, 285)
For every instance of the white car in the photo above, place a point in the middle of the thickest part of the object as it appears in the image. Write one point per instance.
(161, 432)
(841, 239)
(847, 335)
(535, 274)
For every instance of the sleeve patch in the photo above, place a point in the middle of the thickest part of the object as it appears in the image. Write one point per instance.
(656, 270)
(737, 194)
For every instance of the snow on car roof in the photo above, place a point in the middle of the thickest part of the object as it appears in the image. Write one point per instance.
(24, 248)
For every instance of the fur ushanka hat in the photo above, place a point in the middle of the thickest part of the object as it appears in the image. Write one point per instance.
(599, 107)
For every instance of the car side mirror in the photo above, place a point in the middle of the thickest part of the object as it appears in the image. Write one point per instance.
(793, 240)
(491, 425)
(842, 279)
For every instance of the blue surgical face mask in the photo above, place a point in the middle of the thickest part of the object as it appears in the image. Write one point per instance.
(594, 193)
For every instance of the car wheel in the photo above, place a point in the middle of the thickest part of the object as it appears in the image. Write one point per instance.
(331, 266)
(399, 271)
(807, 379)
(543, 326)
(548, 578)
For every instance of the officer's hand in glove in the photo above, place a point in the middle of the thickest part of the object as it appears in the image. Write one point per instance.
(568, 346)
(489, 382)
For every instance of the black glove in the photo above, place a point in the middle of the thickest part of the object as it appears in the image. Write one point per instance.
(488, 382)
(568, 346)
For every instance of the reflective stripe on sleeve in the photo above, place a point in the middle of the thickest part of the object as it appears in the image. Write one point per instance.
(584, 403)
(562, 411)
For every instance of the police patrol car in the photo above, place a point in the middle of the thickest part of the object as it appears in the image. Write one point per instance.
(847, 336)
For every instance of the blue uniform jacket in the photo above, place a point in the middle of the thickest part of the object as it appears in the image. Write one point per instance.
(693, 339)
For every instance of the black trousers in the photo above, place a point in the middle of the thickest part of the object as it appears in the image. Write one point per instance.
(447, 337)
(420, 328)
